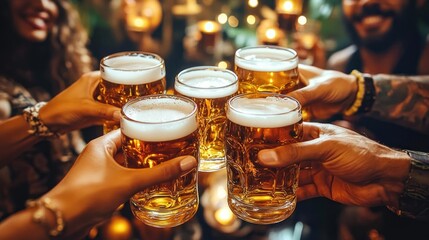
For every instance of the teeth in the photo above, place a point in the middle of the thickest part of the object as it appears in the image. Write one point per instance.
(37, 21)
(371, 20)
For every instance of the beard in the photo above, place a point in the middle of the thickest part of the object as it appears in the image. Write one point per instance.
(404, 24)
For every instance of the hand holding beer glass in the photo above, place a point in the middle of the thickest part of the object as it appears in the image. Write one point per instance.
(128, 75)
(257, 121)
(154, 129)
(210, 87)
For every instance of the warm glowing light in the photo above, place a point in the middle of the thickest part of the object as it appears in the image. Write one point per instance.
(288, 6)
(121, 226)
(271, 33)
(117, 228)
(143, 16)
(251, 19)
(302, 20)
(222, 18)
(208, 26)
(223, 64)
(253, 3)
(233, 21)
(224, 216)
(221, 192)
(191, 7)
(137, 23)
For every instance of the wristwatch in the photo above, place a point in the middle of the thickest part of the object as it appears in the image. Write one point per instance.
(414, 201)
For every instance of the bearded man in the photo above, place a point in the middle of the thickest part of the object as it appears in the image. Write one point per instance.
(385, 38)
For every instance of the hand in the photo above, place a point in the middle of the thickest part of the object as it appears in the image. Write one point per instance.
(75, 107)
(327, 93)
(343, 166)
(97, 185)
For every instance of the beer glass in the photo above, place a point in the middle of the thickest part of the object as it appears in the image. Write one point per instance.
(210, 87)
(257, 121)
(267, 68)
(127, 75)
(155, 129)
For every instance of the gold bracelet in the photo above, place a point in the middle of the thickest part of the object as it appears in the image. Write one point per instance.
(39, 216)
(353, 109)
(37, 127)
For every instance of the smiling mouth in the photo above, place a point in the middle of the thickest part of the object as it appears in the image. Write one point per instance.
(373, 20)
(37, 22)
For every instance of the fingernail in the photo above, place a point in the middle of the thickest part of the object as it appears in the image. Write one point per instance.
(267, 156)
(117, 115)
(187, 163)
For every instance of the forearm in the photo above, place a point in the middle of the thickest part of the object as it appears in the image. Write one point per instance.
(403, 100)
(14, 138)
(22, 226)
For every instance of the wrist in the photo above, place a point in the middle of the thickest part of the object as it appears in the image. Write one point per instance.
(48, 216)
(396, 169)
(414, 200)
(37, 126)
(365, 94)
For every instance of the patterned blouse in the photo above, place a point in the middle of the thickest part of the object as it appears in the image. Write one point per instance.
(40, 168)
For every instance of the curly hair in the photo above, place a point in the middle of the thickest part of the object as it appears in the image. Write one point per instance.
(53, 64)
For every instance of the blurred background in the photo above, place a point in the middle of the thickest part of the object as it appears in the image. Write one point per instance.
(189, 33)
(207, 32)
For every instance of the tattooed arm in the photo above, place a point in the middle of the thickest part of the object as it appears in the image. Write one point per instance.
(403, 100)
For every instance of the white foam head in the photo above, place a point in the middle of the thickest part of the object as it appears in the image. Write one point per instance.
(269, 111)
(132, 68)
(206, 82)
(266, 58)
(158, 118)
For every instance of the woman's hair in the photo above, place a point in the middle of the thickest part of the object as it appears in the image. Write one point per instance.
(55, 63)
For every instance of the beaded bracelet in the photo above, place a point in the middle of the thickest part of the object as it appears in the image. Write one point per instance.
(365, 95)
(39, 216)
(37, 127)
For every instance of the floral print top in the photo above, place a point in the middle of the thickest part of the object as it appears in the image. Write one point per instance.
(36, 171)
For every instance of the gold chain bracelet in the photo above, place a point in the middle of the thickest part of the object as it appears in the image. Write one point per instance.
(37, 127)
(39, 216)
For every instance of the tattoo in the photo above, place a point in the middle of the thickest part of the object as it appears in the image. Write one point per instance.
(403, 100)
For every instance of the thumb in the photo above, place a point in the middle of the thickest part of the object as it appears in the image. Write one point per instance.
(294, 152)
(291, 153)
(306, 95)
(166, 171)
(102, 111)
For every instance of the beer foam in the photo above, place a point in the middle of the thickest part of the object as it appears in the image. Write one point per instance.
(266, 59)
(269, 112)
(158, 119)
(206, 84)
(132, 69)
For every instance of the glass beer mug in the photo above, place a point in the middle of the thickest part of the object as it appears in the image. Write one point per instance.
(155, 129)
(210, 87)
(127, 75)
(257, 121)
(268, 68)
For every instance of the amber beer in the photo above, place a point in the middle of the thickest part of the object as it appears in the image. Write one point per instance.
(210, 87)
(259, 121)
(155, 129)
(268, 68)
(128, 75)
